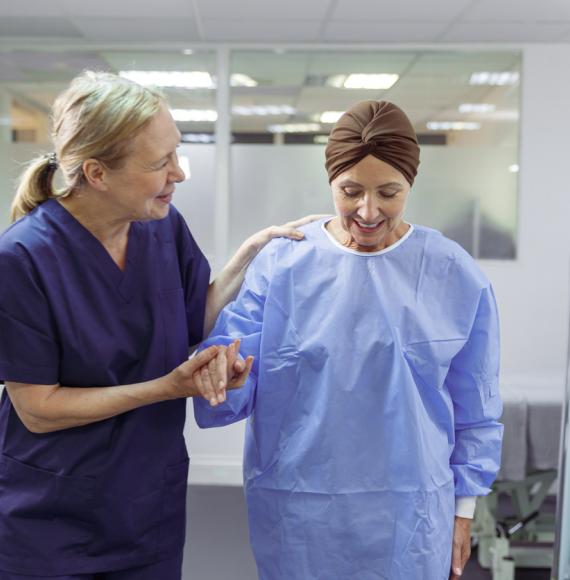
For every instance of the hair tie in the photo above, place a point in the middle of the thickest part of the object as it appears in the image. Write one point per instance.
(52, 160)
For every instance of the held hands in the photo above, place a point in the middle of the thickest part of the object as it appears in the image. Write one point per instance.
(210, 373)
(461, 549)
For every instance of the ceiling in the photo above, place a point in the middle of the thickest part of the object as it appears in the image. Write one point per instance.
(297, 45)
(293, 21)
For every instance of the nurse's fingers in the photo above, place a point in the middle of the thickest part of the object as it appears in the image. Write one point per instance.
(203, 357)
(304, 220)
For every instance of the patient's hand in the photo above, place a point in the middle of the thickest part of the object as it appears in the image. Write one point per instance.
(225, 371)
(461, 549)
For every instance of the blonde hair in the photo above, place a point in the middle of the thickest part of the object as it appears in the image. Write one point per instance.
(96, 117)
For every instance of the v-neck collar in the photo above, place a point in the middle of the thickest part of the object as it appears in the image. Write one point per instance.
(124, 280)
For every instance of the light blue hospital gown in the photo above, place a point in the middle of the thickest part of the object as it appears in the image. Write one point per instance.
(373, 401)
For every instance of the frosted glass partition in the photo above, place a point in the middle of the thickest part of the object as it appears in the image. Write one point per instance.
(464, 106)
(194, 198)
(273, 184)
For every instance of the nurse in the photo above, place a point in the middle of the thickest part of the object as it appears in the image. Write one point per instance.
(373, 400)
(103, 291)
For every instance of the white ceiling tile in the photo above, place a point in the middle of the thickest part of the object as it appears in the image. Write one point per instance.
(407, 10)
(137, 30)
(382, 31)
(245, 10)
(159, 9)
(248, 30)
(504, 32)
(510, 10)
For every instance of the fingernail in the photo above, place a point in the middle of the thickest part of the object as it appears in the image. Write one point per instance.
(213, 402)
(457, 571)
(220, 398)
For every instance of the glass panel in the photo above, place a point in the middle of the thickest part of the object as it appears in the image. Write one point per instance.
(467, 183)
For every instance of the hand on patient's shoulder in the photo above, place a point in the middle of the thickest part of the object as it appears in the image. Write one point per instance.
(289, 230)
(210, 373)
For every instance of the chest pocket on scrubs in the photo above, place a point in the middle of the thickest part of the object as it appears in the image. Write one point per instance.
(175, 327)
(42, 509)
(430, 360)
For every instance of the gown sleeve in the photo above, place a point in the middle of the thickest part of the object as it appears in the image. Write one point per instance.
(29, 347)
(243, 319)
(473, 381)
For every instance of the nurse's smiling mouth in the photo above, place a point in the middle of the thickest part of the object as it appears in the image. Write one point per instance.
(165, 198)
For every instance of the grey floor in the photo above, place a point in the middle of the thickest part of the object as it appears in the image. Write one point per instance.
(217, 546)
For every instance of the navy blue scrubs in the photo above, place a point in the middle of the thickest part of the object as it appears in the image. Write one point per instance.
(112, 494)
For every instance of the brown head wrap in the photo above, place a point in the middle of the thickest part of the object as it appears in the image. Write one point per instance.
(376, 128)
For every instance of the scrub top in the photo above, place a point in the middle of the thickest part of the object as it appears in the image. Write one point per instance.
(112, 494)
(373, 401)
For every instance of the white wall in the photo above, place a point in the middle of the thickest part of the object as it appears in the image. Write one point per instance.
(532, 291)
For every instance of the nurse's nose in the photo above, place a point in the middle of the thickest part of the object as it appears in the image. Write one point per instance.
(177, 174)
(369, 211)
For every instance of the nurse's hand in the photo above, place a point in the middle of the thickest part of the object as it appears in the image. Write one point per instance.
(210, 367)
(289, 230)
(226, 371)
(461, 549)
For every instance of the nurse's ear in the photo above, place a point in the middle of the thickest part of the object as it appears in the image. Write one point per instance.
(95, 173)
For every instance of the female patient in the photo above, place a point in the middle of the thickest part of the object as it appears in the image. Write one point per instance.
(373, 400)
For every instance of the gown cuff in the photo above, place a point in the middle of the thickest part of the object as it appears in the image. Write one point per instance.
(465, 506)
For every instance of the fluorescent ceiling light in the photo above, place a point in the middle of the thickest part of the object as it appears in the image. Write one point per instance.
(363, 81)
(188, 51)
(452, 126)
(476, 108)
(514, 168)
(295, 128)
(494, 78)
(264, 110)
(241, 80)
(330, 116)
(194, 115)
(180, 79)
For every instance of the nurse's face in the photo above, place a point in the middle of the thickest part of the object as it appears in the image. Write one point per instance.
(142, 188)
(370, 199)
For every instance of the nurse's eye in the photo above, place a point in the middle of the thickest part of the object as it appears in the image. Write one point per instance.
(350, 191)
(388, 193)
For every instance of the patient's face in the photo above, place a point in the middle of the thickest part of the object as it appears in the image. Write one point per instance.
(370, 199)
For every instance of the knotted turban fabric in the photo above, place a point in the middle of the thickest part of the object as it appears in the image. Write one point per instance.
(376, 128)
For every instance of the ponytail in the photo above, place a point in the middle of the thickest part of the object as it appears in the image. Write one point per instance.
(35, 186)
